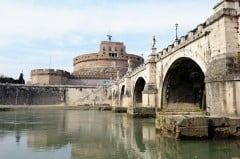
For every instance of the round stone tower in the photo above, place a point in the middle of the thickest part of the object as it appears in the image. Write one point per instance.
(111, 58)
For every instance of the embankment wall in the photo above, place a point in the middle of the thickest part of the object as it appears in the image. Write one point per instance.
(12, 94)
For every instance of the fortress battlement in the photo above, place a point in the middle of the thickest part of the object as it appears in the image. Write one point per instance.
(50, 72)
(115, 43)
(95, 56)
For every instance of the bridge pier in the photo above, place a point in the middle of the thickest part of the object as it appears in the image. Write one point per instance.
(145, 100)
(148, 107)
(149, 96)
(223, 85)
(223, 97)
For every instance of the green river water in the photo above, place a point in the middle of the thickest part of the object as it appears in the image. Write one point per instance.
(77, 134)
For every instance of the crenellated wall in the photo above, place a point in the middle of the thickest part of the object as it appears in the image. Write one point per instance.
(49, 76)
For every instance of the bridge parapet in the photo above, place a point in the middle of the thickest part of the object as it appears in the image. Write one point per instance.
(189, 38)
(138, 69)
(197, 33)
(121, 80)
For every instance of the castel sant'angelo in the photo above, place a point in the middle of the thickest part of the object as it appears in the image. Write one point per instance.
(111, 62)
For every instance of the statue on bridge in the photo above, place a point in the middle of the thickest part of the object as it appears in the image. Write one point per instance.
(153, 42)
(129, 65)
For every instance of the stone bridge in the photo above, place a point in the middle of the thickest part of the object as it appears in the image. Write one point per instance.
(198, 72)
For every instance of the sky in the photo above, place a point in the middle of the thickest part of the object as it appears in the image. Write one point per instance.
(42, 34)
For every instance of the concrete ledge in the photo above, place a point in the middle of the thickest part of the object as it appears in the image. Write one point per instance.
(198, 127)
(119, 109)
(141, 112)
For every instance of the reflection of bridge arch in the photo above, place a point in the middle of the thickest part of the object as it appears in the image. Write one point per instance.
(183, 85)
(114, 93)
(121, 95)
(137, 94)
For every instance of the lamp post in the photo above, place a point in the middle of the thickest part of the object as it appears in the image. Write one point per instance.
(176, 27)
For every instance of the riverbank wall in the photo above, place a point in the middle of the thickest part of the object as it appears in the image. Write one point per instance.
(198, 127)
(61, 95)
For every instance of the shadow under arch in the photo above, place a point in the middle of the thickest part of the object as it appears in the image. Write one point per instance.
(121, 95)
(137, 95)
(183, 86)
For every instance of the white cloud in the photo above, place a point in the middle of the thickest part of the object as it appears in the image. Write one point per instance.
(24, 25)
(45, 21)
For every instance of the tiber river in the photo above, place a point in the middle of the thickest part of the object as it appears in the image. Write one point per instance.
(76, 134)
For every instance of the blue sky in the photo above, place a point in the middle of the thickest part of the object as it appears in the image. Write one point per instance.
(50, 33)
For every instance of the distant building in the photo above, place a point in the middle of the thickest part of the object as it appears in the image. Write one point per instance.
(100, 68)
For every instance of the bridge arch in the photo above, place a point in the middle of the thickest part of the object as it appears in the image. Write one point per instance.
(194, 56)
(183, 86)
(137, 93)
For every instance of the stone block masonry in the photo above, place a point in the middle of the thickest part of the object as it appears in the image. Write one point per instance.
(198, 127)
(50, 95)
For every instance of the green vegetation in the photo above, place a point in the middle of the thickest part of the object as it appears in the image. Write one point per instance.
(4, 79)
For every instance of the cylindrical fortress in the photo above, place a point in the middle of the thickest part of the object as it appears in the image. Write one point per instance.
(105, 64)
(92, 69)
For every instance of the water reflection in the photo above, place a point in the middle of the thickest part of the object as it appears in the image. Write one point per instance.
(99, 135)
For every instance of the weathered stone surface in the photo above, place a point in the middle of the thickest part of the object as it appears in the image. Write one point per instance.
(11, 94)
(119, 109)
(141, 112)
(197, 127)
(192, 121)
(234, 127)
(220, 133)
(105, 108)
(218, 122)
(198, 132)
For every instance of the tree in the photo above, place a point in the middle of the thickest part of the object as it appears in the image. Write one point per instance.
(21, 80)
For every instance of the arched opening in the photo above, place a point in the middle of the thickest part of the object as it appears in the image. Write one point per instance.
(183, 86)
(137, 97)
(121, 95)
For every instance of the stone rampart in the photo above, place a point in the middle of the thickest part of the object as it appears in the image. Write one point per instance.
(49, 76)
(12, 94)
